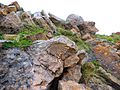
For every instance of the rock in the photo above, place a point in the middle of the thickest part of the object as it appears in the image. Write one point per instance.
(117, 45)
(10, 24)
(71, 61)
(86, 36)
(39, 36)
(88, 27)
(26, 18)
(101, 87)
(49, 22)
(48, 57)
(109, 77)
(56, 20)
(108, 58)
(15, 4)
(72, 73)
(3, 12)
(15, 69)
(11, 9)
(71, 85)
(74, 30)
(10, 36)
(65, 40)
(41, 23)
(74, 20)
(104, 81)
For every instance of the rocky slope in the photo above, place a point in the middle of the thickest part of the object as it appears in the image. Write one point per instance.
(44, 52)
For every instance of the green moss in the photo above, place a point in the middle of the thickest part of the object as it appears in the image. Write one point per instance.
(79, 42)
(112, 38)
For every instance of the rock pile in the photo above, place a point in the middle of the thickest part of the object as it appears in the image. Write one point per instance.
(54, 62)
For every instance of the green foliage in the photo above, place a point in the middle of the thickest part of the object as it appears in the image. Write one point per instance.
(1, 36)
(112, 38)
(96, 63)
(31, 30)
(79, 42)
(88, 70)
(21, 41)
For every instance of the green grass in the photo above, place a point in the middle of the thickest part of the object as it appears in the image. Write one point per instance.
(112, 38)
(96, 63)
(79, 42)
(21, 41)
(31, 30)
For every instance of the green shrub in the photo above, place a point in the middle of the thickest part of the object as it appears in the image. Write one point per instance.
(112, 38)
(31, 30)
(21, 41)
(79, 42)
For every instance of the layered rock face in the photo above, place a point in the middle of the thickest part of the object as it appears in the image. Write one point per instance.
(44, 52)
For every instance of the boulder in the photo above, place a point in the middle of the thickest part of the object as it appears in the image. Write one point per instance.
(48, 59)
(88, 27)
(15, 4)
(38, 19)
(10, 24)
(26, 18)
(39, 36)
(72, 85)
(3, 12)
(48, 21)
(72, 73)
(15, 69)
(11, 9)
(56, 20)
(74, 20)
(108, 58)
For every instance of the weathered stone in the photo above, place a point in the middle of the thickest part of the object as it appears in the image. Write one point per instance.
(48, 59)
(26, 18)
(108, 58)
(15, 4)
(15, 69)
(10, 36)
(10, 24)
(88, 27)
(72, 73)
(3, 12)
(39, 36)
(74, 20)
(71, 85)
(42, 23)
(56, 20)
(102, 80)
(11, 9)
(71, 61)
(48, 21)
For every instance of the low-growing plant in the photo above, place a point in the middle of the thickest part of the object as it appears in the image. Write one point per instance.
(112, 38)
(79, 42)
(21, 41)
(31, 30)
